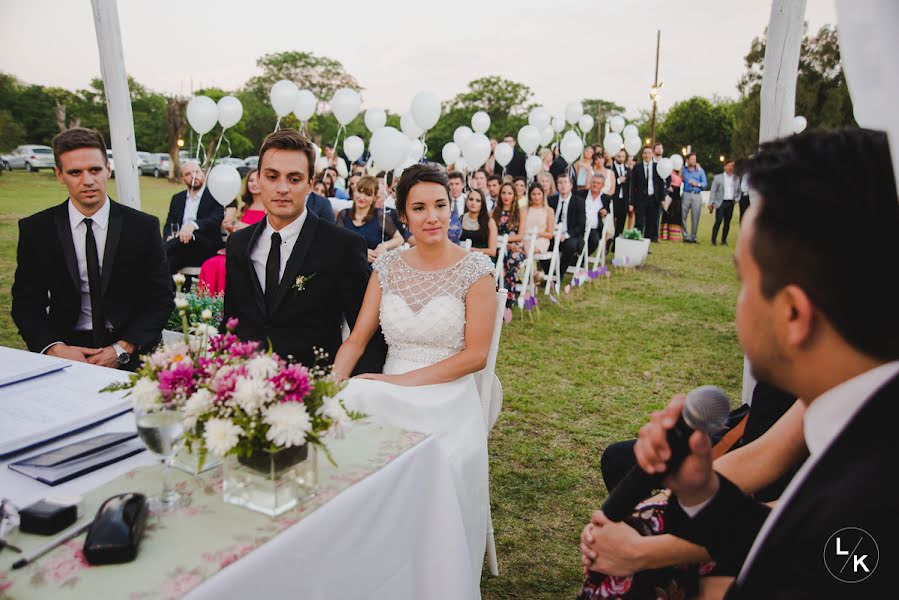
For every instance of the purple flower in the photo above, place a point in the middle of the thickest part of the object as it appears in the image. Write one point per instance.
(232, 323)
(292, 383)
(553, 299)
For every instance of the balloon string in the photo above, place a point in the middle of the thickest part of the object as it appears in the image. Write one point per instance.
(339, 129)
(196, 159)
(424, 144)
(278, 124)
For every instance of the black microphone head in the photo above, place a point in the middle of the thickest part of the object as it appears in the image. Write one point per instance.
(706, 409)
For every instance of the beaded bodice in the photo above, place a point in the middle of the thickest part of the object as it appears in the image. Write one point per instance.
(423, 312)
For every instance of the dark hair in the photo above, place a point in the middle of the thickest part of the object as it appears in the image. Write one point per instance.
(536, 186)
(367, 185)
(289, 139)
(245, 195)
(412, 176)
(483, 215)
(494, 177)
(645, 148)
(794, 241)
(564, 173)
(514, 212)
(456, 175)
(689, 154)
(75, 138)
(519, 178)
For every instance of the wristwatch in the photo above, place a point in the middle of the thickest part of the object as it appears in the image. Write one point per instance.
(122, 356)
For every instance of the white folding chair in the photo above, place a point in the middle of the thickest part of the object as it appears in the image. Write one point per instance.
(491, 392)
(501, 246)
(608, 233)
(466, 244)
(530, 264)
(554, 277)
(583, 257)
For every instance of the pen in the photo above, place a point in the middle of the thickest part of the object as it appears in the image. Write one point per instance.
(62, 539)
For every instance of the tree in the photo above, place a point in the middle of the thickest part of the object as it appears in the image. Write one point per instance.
(319, 74)
(822, 95)
(12, 133)
(175, 125)
(601, 110)
(706, 126)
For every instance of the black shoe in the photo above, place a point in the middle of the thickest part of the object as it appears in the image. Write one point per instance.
(714, 243)
(724, 243)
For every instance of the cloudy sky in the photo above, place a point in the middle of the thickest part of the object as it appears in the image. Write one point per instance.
(562, 49)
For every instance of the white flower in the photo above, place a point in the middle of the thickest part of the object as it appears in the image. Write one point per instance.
(179, 279)
(220, 436)
(289, 422)
(251, 394)
(206, 315)
(146, 394)
(204, 330)
(196, 406)
(262, 366)
(332, 409)
(180, 302)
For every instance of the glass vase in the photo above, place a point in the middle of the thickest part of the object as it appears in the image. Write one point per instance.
(188, 461)
(271, 482)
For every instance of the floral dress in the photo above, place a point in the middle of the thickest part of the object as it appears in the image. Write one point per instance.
(513, 260)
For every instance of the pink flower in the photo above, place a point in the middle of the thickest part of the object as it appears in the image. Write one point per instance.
(178, 381)
(292, 383)
(243, 349)
(613, 586)
(224, 380)
(231, 324)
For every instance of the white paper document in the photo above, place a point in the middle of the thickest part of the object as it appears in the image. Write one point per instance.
(19, 366)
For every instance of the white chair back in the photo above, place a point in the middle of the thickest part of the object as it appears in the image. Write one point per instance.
(502, 245)
(489, 388)
(466, 244)
(554, 277)
(527, 285)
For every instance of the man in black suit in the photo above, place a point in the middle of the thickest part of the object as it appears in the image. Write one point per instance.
(193, 227)
(292, 277)
(647, 193)
(806, 328)
(515, 168)
(622, 196)
(320, 207)
(571, 214)
(91, 283)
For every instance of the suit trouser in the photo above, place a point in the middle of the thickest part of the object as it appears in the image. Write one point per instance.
(691, 205)
(192, 254)
(640, 206)
(723, 213)
(653, 214)
(568, 252)
(744, 205)
(593, 239)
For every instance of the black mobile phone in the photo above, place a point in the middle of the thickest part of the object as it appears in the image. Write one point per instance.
(57, 456)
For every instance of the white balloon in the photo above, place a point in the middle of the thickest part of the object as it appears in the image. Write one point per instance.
(345, 105)
(461, 134)
(370, 167)
(632, 145)
(503, 153)
(398, 172)
(389, 148)
(342, 171)
(529, 138)
(616, 124)
(558, 124)
(223, 183)
(585, 123)
(305, 105)
(480, 122)
(799, 124)
(375, 118)
(539, 118)
(664, 167)
(476, 150)
(547, 135)
(532, 166)
(425, 110)
(416, 150)
(571, 147)
(283, 97)
(230, 111)
(677, 161)
(321, 163)
(353, 147)
(410, 127)
(202, 114)
(612, 143)
(460, 165)
(451, 153)
(630, 131)
(574, 110)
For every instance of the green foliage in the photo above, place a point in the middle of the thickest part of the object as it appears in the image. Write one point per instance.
(632, 234)
(197, 302)
(606, 109)
(319, 74)
(12, 133)
(707, 126)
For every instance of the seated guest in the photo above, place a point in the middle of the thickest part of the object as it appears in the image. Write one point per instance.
(509, 220)
(370, 222)
(212, 273)
(596, 205)
(539, 218)
(193, 226)
(92, 283)
(521, 192)
(547, 182)
(477, 225)
(570, 215)
(806, 328)
(334, 191)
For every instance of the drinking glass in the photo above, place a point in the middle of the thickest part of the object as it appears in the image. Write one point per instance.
(162, 431)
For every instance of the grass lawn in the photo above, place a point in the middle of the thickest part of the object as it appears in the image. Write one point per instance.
(584, 375)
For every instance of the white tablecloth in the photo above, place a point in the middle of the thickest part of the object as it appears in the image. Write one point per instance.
(394, 535)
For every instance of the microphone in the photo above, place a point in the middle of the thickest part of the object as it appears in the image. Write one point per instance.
(706, 409)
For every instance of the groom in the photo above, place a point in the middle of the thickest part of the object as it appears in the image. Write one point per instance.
(292, 278)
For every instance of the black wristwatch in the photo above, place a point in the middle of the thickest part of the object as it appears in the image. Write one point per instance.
(121, 355)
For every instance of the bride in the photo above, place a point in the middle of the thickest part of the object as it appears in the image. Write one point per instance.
(436, 305)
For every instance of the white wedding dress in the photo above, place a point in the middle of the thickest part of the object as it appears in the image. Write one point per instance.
(423, 320)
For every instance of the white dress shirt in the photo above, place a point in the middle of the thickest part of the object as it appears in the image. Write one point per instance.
(459, 203)
(647, 169)
(79, 230)
(593, 205)
(730, 186)
(620, 170)
(191, 206)
(562, 213)
(289, 235)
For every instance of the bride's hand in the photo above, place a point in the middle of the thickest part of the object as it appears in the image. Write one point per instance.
(394, 379)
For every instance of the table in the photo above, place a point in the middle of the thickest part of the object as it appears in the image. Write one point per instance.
(392, 534)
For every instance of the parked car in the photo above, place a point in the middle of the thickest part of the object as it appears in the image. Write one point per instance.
(252, 162)
(238, 164)
(157, 165)
(4, 162)
(142, 157)
(111, 162)
(31, 158)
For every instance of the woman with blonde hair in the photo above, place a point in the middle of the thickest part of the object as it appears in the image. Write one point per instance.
(364, 218)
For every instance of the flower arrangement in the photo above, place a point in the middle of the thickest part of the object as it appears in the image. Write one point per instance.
(195, 305)
(632, 234)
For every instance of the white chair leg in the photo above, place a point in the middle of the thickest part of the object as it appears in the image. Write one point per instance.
(492, 563)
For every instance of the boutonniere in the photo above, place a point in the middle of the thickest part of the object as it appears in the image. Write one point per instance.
(300, 283)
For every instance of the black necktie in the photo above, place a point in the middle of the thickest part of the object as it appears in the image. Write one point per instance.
(98, 321)
(272, 270)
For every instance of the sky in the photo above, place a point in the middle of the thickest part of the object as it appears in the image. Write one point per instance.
(563, 49)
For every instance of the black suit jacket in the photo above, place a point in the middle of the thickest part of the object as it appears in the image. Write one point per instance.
(577, 214)
(209, 218)
(606, 203)
(335, 264)
(639, 187)
(558, 167)
(46, 292)
(515, 168)
(853, 484)
(320, 207)
(624, 186)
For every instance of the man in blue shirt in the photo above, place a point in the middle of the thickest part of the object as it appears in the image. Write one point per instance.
(694, 182)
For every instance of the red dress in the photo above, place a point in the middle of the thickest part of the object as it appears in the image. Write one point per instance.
(212, 273)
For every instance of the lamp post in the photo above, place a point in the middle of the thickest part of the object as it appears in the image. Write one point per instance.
(655, 92)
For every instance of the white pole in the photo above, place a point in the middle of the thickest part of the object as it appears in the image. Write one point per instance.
(778, 95)
(118, 100)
